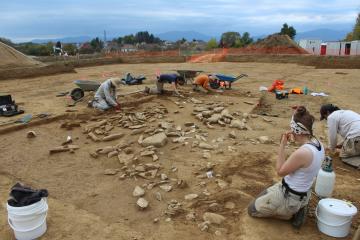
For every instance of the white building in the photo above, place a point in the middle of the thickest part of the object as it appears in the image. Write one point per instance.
(355, 48)
(333, 48)
(311, 46)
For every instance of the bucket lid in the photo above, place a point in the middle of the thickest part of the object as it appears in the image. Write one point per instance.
(338, 207)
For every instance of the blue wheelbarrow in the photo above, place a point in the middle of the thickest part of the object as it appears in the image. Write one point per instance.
(83, 86)
(225, 80)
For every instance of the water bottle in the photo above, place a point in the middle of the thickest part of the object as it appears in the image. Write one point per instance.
(325, 180)
(306, 90)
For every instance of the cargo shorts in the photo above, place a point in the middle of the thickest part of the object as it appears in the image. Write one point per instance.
(277, 203)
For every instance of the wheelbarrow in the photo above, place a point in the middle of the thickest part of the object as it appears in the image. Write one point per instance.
(188, 74)
(225, 80)
(83, 86)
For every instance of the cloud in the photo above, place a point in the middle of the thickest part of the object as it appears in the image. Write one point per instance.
(88, 17)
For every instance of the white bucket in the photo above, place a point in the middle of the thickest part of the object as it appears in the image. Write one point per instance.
(28, 222)
(334, 217)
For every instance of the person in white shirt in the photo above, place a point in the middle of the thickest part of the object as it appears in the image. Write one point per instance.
(346, 123)
(288, 199)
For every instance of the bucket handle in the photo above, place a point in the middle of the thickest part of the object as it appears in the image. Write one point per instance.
(337, 225)
(27, 230)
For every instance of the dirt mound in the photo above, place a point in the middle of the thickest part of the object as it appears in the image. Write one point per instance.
(11, 58)
(277, 43)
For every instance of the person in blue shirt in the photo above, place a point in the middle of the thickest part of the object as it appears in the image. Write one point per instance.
(171, 78)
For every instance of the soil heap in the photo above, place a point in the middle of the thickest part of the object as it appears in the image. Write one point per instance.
(275, 44)
(11, 58)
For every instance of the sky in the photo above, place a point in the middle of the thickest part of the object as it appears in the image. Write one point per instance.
(23, 20)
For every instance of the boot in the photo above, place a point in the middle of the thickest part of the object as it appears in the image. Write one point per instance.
(298, 218)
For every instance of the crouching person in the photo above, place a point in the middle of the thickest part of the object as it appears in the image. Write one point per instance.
(105, 96)
(204, 81)
(289, 198)
(172, 79)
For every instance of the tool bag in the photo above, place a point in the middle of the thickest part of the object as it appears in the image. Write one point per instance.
(8, 107)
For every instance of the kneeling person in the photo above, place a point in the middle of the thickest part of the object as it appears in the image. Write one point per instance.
(172, 79)
(203, 80)
(105, 96)
(289, 198)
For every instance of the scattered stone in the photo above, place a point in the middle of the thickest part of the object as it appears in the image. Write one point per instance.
(181, 184)
(156, 220)
(238, 124)
(264, 140)
(218, 109)
(267, 119)
(137, 126)
(232, 135)
(142, 203)
(140, 168)
(214, 207)
(140, 139)
(207, 113)
(137, 131)
(93, 137)
(125, 159)
(190, 216)
(111, 171)
(214, 118)
(191, 196)
(188, 124)
(93, 154)
(206, 155)
(222, 184)
(249, 103)
(163, 176)
(205, 146)
(112, 154)
(166, 187)
(105, 150)
(218, 233)
(147, 153)
(157, 140)
(213, 218)
(63, 149)
(158, 196)
(30, 134)
(229, 205)
(195, 101)
(168, 220)
(113, 137)
(204, 226)
(128, 150)
(138, 191)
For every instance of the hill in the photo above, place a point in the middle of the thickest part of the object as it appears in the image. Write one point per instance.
(177, 35)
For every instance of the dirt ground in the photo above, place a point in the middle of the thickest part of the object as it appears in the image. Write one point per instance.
(91, 198)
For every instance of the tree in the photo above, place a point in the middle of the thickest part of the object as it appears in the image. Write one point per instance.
(349, 37)
(129, 39)
(286, 30)
(97, 44)
(246, 39)
(69, 48)
(356, 31)
(7, 41)
(230, 39)
(211, 44)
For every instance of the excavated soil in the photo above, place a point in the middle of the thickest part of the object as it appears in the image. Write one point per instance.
(91, 198)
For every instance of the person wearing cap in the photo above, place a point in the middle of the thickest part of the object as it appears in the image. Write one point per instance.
(172, 78)
(105, 96)
(288, 199)
(346, 123)
(203, 80)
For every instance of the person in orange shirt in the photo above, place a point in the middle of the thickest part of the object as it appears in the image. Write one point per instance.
(203, 80)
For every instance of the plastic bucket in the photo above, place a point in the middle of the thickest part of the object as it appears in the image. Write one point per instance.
(28, 222)
(334, 217)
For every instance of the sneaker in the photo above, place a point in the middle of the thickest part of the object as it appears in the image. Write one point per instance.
(298, 218)
(147, 90)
